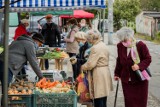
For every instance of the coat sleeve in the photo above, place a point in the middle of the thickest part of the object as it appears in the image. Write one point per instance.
(145, 56)
(118, 68)
(31, 57)
(58, 35)
(92, 60)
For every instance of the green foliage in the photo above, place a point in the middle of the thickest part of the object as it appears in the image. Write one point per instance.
(150, 5)
(158, 35)
(125, 10)
(24, 15)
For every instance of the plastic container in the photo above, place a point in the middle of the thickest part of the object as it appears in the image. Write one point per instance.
(20, 100)
(55, 99)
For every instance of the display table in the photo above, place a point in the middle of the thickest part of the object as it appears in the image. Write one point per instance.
(58, 63)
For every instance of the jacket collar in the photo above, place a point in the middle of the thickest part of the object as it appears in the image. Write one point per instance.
(25, 37)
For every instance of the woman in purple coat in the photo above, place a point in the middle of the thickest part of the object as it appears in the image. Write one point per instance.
(132, 56)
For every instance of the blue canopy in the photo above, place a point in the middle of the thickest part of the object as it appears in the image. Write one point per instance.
(44, 5)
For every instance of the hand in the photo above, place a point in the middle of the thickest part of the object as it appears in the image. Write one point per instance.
(116, 78)
(65, 39)
(82, 68)
(73, 60)
(135, 67)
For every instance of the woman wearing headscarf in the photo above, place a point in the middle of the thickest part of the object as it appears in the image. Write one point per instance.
(97, 65)
(132, 56)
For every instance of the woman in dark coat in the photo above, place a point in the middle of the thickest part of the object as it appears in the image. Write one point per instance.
(132, 56)
(84, 50)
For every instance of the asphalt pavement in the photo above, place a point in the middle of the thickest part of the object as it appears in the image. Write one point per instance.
(154, 86)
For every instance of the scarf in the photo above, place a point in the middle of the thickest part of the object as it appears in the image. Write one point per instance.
(134, 52)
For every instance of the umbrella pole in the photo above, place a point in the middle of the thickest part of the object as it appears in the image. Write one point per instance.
(5, 72)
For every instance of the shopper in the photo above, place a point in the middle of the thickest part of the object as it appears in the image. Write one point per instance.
(83, 26)
(21, 29)
(132, 56)
(82, 56)
(72, 47)
(97, 65)
(51, 35)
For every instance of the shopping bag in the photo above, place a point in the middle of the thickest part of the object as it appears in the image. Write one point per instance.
(83, 88)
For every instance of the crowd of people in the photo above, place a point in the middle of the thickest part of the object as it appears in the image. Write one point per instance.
(88, 54)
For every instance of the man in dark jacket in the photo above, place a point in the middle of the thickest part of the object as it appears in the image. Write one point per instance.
(51, 34)
(20, 51)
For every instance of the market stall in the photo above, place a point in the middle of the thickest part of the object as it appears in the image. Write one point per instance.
(43, 99)
(79, 14)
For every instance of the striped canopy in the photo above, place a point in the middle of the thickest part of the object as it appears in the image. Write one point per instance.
(43, 5)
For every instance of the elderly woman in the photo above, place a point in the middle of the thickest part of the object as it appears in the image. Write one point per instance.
(97, 65)
(132, 56)
(81, 58)
(21, 29)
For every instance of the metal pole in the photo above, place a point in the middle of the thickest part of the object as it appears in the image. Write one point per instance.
(100, 21)
(1, 26)
(5, 72)
(110, 22)
(103, 27)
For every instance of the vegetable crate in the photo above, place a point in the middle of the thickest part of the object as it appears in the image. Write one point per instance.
(55, 99)
(19, 100)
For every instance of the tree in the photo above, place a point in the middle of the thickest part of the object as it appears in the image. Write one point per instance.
(150, 5)
(125, 10)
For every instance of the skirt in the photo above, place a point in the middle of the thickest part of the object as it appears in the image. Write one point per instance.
(135, 94)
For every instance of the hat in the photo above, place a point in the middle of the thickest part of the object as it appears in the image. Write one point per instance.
(38, 37)
(24, 21)
(49, 16)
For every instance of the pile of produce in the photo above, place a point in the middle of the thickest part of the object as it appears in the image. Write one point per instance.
(56, 53)
(46, 86)
(21, 87)
(1, 50)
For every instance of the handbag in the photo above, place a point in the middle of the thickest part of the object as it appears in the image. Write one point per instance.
(144, 75)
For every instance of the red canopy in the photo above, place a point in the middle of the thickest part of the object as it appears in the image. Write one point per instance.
(79, 14)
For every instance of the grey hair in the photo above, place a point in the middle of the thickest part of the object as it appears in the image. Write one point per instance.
(93, 34)
(80, 35)
(125, 33)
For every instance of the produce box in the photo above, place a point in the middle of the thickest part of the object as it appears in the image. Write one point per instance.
(55, 99)
(20, 100)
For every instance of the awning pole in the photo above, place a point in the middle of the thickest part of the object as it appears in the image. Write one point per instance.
(5, 72)
(103, 28)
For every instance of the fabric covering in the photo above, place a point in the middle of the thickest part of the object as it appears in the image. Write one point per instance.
(42, 5)
(79, 14)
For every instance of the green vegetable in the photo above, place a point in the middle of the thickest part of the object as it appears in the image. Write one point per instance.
(1, 50)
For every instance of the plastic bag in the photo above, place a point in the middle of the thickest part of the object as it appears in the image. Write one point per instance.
(57, 76)
(83, 88)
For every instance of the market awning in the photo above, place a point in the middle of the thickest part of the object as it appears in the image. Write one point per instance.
(79, 14)
(44, 5)
(58, 12)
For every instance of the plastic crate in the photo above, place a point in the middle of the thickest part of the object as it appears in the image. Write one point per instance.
(19, 100)
(55, 99)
